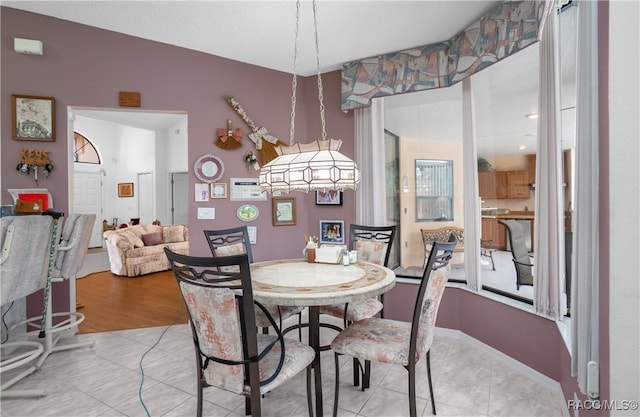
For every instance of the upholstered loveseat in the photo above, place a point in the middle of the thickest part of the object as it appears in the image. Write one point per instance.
(139, 249)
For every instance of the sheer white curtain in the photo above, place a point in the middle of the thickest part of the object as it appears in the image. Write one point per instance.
(548, 299)
(472, 225)
(585, 277)
(369, 136)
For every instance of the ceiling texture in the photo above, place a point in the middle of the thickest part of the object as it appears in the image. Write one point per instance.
(262, 33)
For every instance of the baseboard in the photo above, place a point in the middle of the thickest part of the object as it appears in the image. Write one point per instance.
(549, 383)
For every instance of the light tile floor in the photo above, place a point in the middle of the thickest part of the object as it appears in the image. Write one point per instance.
(104, 380)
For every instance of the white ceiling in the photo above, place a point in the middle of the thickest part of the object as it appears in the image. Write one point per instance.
(262, 33)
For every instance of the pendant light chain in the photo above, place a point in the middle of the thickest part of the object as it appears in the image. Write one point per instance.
(320, 89)
(294, 82)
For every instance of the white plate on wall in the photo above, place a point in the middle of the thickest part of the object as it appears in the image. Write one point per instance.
(208, 168)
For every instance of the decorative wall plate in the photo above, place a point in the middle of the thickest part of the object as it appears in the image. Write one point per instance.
(247, 212)
(208, 168)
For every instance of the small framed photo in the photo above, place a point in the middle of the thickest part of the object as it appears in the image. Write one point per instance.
(332, 232)
(33, 118)
(219, 190)
(125, 189)
(284, 211)
(329, 197)
(201, 192)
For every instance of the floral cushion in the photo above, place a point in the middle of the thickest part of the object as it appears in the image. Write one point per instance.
(228, 250)
(387, 341)
(172, 234)
(276, 312)
(215, 318)
(371, 251)
(356, 310)
(133, 238)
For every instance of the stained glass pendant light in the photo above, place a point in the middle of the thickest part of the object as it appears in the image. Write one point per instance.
(314, 166)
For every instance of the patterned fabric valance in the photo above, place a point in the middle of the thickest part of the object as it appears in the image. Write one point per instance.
(508, 28)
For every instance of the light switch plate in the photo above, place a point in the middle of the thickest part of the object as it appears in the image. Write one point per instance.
(206, 213)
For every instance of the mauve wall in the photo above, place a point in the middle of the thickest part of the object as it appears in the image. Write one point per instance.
(86, 66)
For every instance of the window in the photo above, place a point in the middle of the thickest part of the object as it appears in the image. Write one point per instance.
(83, 150)
(434, 190)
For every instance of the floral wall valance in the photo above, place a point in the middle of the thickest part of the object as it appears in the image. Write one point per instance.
(508, 28)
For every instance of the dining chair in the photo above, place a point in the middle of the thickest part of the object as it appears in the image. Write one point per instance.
(230, 354)
(373, 244)
(399, 342)
(521, 256)
(235, 241)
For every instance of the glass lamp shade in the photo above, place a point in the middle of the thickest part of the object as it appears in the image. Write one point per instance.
(309, 167)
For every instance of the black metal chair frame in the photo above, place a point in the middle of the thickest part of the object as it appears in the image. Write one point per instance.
(439, 257)
(206, 272)
(235, 235)
(385, 234)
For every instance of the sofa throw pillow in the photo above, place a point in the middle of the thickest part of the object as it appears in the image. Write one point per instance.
(371, 251)
(152, 239)
(135, 240)
(173, 234)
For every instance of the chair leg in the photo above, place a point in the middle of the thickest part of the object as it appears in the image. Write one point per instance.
(300, 327)
(309, 394)
(412, 389)
(493, 265)
(366, 375)
(199, 406)
(247, 406)
(336, 392)
(357, 369)
(433, 400)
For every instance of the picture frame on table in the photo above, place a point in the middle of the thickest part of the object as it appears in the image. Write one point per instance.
(332, 232)
(125, 189)
(33, 118)
(329, 198)
(283, 211)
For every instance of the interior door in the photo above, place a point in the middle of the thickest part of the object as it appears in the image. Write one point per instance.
(87, 191)
(145, 198)
(180, 198)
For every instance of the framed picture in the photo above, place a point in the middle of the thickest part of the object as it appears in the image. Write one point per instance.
(125, 189)
(329, 197)
(33, 118)
(219, 190)
(332, 232)
(284, 211)
(201, 192)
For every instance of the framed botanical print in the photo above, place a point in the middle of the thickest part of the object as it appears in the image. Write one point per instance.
(284, 211)
(33, 118)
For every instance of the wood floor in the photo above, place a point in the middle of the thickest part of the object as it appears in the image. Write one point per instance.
(110, 302)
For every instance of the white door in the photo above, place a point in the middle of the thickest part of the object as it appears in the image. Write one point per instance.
(180, 198)
(145, 198)
(87, 199)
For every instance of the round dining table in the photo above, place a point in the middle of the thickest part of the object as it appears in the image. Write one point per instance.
(296, 282)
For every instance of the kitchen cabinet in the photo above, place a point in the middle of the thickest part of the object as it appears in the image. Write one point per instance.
(492, 184)
(518, 184)
(503, 184)
(495, 233)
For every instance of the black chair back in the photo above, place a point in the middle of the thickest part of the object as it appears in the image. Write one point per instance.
(229, 241)
(383, 234)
